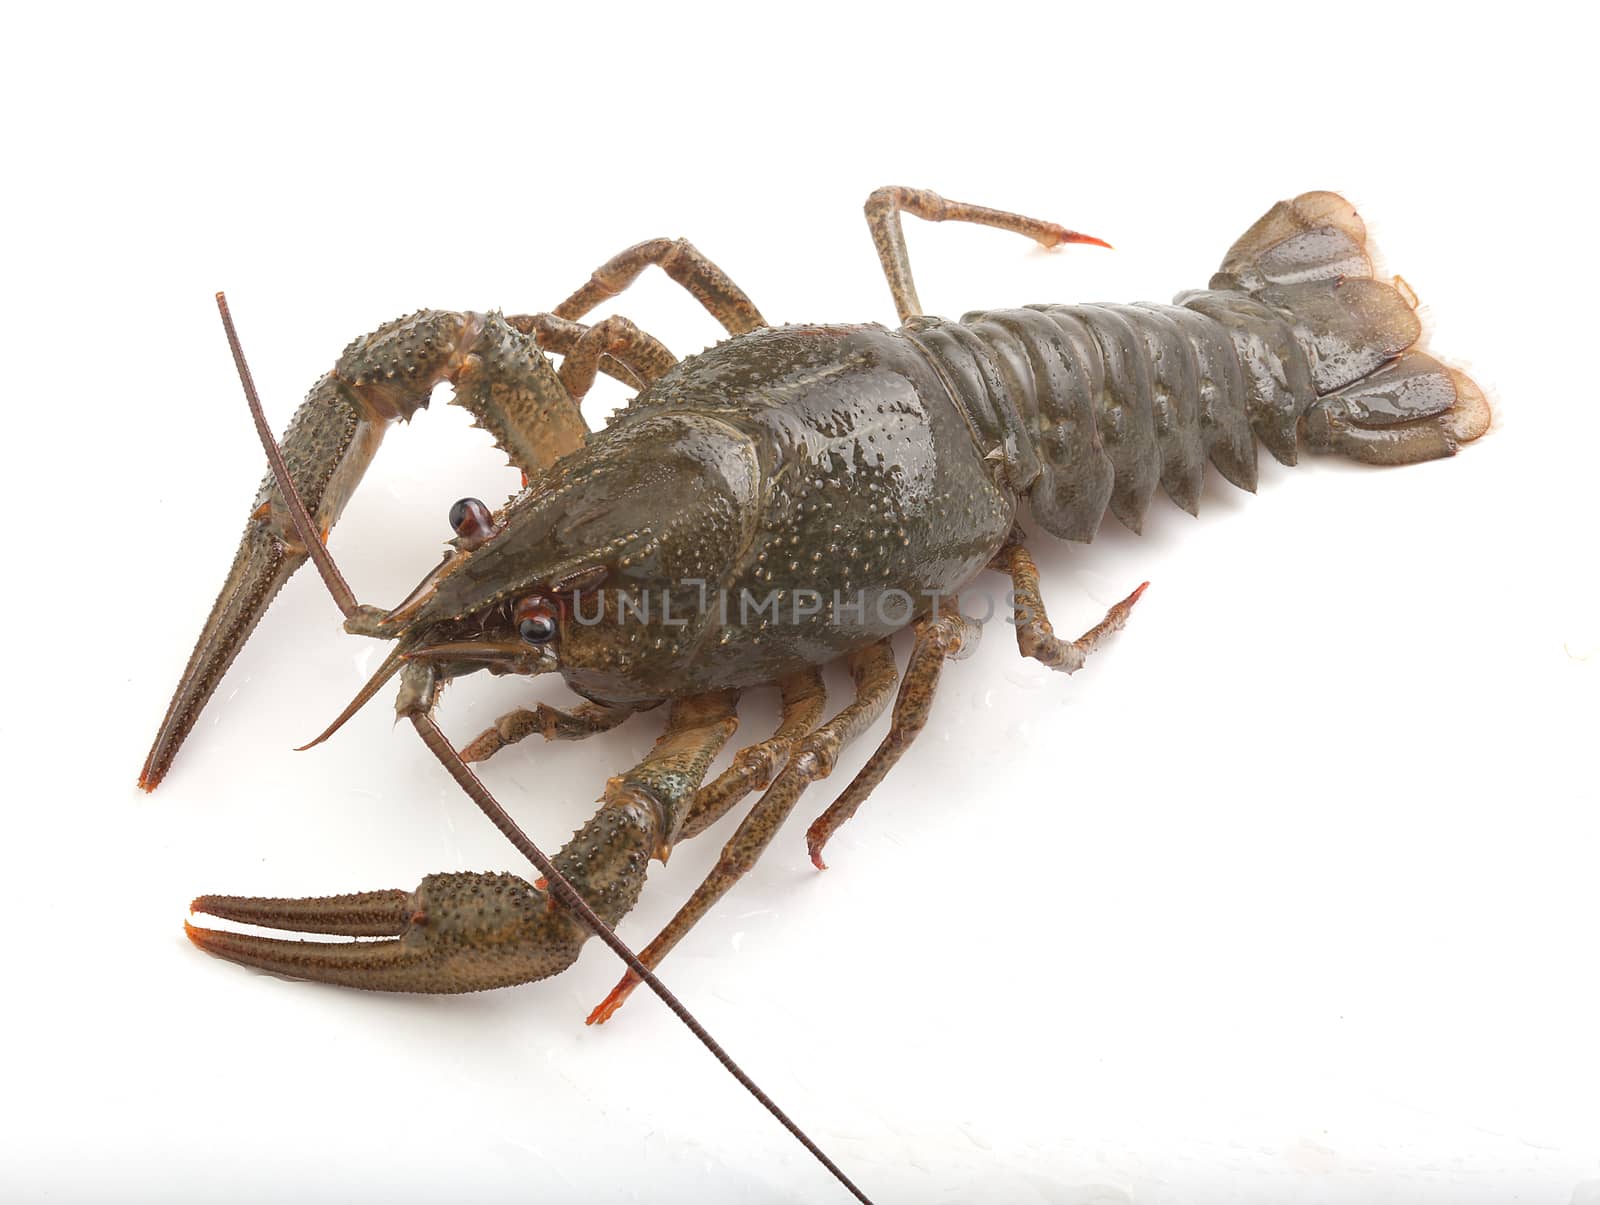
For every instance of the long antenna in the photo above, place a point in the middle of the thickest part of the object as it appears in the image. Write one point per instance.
(469, 782)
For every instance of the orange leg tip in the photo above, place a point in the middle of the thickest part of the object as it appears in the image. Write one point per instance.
(816, 839)
(1063, 235)
(604, 1010)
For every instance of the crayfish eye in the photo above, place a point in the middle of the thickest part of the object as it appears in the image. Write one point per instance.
(536, 620)
(470, 519)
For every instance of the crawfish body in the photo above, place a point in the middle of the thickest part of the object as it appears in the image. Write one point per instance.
(891, 465)
(868, 496)
(791, 497)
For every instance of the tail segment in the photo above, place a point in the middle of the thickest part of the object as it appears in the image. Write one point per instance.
(1092, 408)
(1372, 395)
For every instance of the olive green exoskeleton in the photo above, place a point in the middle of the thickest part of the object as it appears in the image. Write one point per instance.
(791, 497)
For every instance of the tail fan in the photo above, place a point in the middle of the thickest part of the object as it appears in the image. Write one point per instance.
(1380, 398)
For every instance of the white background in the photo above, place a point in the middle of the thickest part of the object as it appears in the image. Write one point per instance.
(1289, 897)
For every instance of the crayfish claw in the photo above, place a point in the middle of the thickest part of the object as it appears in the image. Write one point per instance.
(455, 933)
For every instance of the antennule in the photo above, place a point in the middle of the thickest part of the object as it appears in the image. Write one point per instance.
(390, 667)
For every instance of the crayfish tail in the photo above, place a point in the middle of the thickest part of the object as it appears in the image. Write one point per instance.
(1375, 395)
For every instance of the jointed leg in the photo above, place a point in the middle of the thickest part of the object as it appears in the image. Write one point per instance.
(804, 698)
(620, 350)
(709, 284)
(499, 374)
(614, 336)
(883, 210)
(813, 758)
(552, 723)
(697, 729)
(1035, 637)
(949, 637)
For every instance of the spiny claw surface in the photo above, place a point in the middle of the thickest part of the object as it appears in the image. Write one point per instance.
(327, 447)
(260, 568)
(455, 933)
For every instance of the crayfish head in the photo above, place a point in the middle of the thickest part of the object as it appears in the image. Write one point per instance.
(602, 568)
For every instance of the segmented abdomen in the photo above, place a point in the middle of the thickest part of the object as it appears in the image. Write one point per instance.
(1091, 407)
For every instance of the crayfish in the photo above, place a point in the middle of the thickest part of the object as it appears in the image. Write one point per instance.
(791, 497)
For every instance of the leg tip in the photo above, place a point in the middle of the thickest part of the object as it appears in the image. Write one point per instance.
(1072, 236)
(607, 1007)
